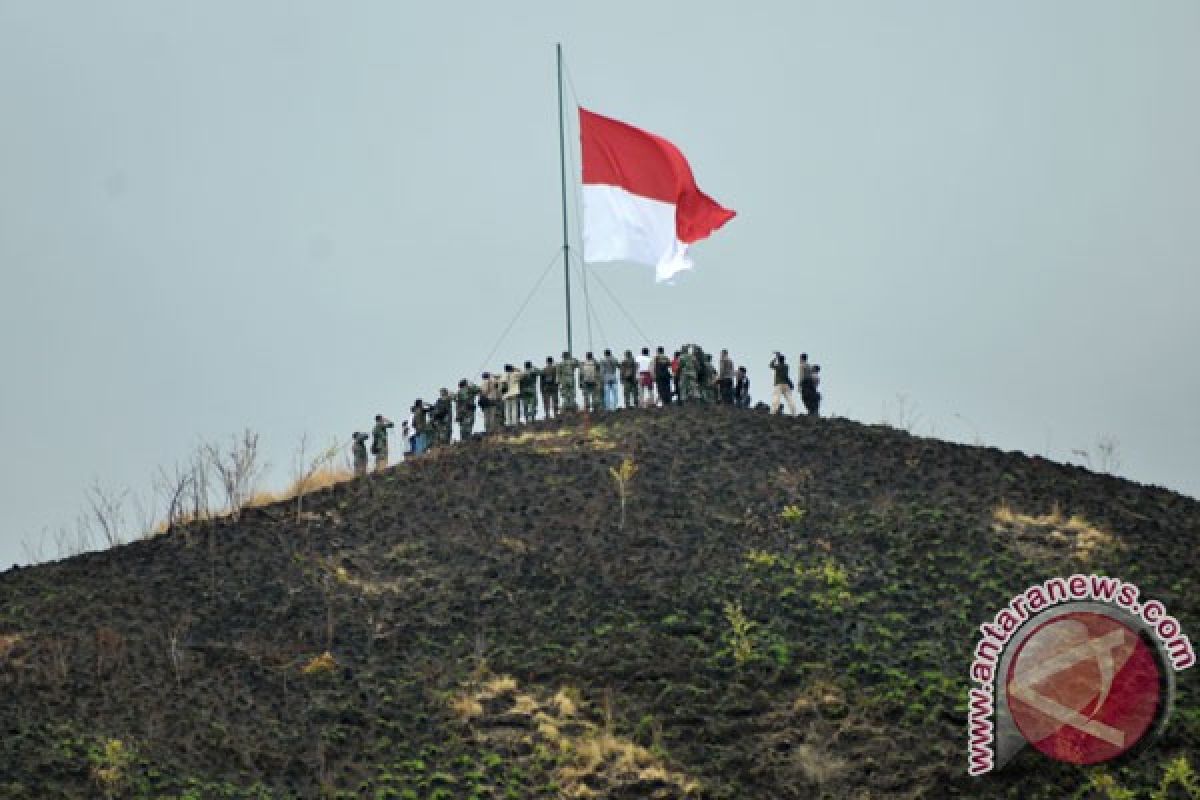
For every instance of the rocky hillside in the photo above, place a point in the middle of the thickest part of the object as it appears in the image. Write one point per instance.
(787, 611)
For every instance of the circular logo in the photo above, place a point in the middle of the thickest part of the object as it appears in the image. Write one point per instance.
(1084, 687)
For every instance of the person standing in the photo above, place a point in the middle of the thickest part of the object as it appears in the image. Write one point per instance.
(686, 376)
(808, 390)
(512, 395)
(741, 389)
(464, 408)
(379, 443)
(420, 426)
(609, 372)
(360, 453)
(443, 413)
(662, 376)
(485, 402)
(529, 392)
(566, 381)
(629, 379)
(550, 388)
(783, 386)
(645, 365)
(725, 378)
(589, 382)
(708, 384)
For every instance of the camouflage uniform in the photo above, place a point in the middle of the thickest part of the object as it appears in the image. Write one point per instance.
(708, 386)
(379, 442)
(589, 383)
(442, 411)
(566, 382)
(464, 409)
(529, 392)
(420, 419)
(549, 375)
(360, 453)
(687, 377)
(629, 379)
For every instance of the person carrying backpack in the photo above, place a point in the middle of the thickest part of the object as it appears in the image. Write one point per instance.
(589, 381)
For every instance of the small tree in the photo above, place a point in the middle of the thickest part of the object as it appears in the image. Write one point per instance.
(305, 470)
(237, 469)
(622, 476)
(173, 489)
(108, 512)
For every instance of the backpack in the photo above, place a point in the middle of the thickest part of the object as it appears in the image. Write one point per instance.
(587, 372)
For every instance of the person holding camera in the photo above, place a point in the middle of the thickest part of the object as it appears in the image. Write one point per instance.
(420, 426)
(379, 444)
(783, 386)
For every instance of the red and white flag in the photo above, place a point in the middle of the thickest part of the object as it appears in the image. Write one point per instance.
(640, 201)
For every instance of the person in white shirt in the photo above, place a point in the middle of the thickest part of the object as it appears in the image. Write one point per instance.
(645, 367)
(512, 395)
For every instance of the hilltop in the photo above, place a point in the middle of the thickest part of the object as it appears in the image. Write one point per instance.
(788, 611)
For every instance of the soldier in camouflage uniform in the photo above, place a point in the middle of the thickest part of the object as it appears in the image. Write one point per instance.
(708, 386)
(379, 443)
(549, 376)
(464, 408)
(629, 379)
(360, 453)
(529, 391)
(443, 411)
(589, 383)
(687, 375)
(566, 381)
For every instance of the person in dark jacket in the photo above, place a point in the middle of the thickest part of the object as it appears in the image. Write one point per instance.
(783, 386)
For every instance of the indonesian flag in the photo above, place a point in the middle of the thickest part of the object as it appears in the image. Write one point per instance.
(640, 201)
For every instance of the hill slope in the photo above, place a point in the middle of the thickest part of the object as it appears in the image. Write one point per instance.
(789, 611)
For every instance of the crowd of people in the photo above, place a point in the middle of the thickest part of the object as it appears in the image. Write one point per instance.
(510, 398)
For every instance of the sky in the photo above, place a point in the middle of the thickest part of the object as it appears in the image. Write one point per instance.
(288, 216)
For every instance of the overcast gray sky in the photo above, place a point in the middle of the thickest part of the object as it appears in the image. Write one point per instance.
(291, 215)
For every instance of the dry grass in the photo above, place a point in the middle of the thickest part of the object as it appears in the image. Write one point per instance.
(8, 643)
(592, 755)
(466, 707)
(320, 665)
(321, 479)
(1053, 533)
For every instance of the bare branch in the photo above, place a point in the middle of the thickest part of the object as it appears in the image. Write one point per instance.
(237, 470)
(108, 511)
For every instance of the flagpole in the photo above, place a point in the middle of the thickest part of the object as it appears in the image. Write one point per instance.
(562, 164)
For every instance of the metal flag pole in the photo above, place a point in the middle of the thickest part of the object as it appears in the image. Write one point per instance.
(562, 163)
